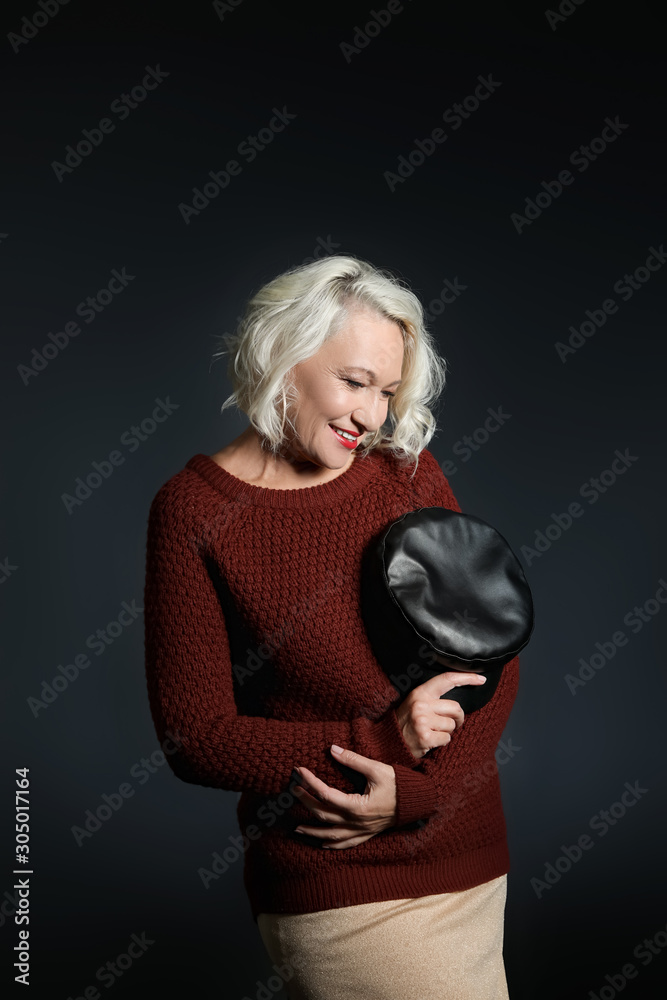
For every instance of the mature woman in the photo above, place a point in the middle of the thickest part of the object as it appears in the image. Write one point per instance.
(257, 657)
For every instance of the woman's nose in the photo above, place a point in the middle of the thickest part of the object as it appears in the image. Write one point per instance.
(371, 414)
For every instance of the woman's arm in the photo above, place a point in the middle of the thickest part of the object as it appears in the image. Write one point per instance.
(444, 767)
(449, 775)
(190, 685)
(465, 766)
(395, 796)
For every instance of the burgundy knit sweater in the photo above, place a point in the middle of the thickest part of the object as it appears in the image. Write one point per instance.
(258, 660)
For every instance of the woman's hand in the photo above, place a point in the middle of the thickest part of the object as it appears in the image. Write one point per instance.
(426, 720)
(352, 818)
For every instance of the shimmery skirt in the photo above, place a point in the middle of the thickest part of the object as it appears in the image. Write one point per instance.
(443, 947)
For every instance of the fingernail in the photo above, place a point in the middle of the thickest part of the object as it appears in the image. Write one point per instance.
(297, 777)
(336, 748)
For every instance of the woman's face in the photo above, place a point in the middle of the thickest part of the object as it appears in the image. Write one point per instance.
(335, 388)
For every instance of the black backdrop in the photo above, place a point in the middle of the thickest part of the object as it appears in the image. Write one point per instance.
(544, 290)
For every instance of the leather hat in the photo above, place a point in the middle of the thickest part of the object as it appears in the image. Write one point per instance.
(441, 590)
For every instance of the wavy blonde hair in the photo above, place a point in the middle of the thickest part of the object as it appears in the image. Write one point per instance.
(289, 319)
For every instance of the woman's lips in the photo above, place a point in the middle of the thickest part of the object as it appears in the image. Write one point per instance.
(350, 445)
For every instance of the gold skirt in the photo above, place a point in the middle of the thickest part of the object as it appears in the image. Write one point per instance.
(443, 947)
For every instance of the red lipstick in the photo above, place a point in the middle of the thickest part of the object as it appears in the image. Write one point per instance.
(350, 445)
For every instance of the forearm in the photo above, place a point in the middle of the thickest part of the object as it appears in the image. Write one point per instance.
(251, 753)
(189, 676)
(449, 774)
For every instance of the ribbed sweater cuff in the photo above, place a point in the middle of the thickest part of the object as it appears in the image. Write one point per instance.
(416, 795)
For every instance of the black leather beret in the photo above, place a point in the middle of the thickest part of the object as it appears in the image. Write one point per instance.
(444, 591)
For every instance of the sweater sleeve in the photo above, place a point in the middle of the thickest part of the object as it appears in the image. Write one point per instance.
(416, 794)
(464, 767)
(433, 485)
(190, 682)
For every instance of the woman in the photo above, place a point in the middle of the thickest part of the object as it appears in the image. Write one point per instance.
(257, 657)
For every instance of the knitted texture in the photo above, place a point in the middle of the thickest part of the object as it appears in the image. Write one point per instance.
(257, 660)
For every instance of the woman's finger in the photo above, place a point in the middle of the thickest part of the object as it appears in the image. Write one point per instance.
(451, 709)
(446, 723)
(330, 815)
(326, 832)
(337, 836)
(350, 842)
(327, 795)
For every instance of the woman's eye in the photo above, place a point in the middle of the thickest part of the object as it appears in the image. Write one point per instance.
(360, 385)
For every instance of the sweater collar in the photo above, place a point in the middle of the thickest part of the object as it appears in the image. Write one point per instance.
(324, 495)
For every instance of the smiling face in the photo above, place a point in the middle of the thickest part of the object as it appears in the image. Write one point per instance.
(347, 385)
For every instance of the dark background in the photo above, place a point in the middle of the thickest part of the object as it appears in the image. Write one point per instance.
(67, 573)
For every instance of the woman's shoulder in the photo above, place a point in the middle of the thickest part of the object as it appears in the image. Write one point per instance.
(423, 477)
(403, 466)
(179, 493)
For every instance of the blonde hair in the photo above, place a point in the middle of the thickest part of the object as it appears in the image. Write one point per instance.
(289, 319)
